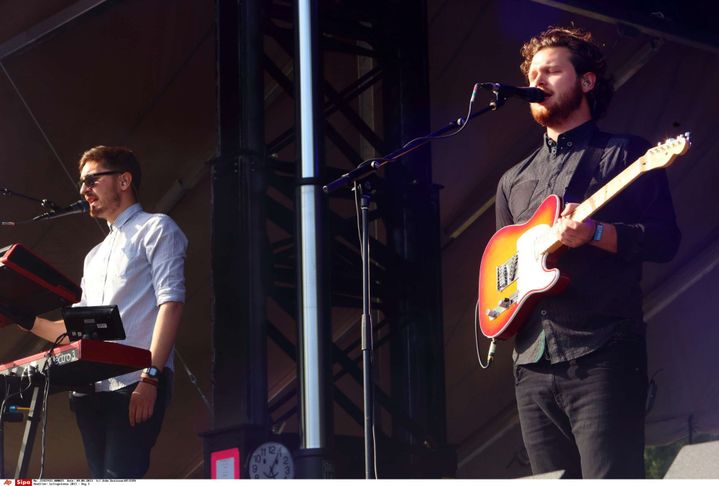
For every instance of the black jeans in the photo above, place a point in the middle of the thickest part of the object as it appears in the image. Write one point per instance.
(114, 449)
(586, 416)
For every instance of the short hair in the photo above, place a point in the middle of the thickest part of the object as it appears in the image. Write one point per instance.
(585, 56)
(115, 158)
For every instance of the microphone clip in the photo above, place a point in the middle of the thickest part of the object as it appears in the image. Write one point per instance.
(77, 207)
(504, 91)
(500, 97)
(49, 205)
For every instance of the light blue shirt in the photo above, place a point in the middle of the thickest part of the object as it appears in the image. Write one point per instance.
(138, 266)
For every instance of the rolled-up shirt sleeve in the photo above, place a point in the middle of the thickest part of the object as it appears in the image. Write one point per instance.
(166, 247)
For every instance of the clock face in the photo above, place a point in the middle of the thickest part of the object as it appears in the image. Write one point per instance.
(271, 460)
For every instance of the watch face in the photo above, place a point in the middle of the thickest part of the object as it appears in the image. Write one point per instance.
(271, 460)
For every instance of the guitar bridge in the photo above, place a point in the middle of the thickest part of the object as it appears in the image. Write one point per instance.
(507, 273)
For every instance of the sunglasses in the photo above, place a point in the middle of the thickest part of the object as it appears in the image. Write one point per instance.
(91, 179)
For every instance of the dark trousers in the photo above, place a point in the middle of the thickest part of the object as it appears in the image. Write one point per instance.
(114, 449)
(586, 416)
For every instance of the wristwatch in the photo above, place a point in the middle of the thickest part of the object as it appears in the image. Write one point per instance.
(152, 372)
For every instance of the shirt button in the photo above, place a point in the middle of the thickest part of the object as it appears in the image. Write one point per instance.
(543, 312)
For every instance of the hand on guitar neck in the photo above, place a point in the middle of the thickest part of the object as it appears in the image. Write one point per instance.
(574, 234)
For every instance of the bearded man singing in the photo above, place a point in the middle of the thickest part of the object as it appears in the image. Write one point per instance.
(580, 359)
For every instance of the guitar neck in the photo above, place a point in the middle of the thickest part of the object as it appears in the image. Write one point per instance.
(605, 194)
(597, 200)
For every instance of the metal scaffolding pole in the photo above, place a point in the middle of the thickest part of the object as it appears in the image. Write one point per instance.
(238, 241)
(310, 214)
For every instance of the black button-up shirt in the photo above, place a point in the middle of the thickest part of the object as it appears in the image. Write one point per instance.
(604, 297)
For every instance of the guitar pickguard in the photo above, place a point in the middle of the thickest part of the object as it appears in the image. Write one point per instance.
(533, 274)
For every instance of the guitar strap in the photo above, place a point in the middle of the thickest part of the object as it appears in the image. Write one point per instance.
(579, 183)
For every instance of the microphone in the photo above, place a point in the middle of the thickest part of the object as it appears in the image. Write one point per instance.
(80, 206)
(533, 95)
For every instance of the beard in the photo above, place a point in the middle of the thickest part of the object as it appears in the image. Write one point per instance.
(563, 106)
(109, 203)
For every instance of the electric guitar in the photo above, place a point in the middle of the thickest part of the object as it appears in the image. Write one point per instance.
(513, 274)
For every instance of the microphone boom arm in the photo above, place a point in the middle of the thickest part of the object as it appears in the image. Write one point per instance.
(372, 165)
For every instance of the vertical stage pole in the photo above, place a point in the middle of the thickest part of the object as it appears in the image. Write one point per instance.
(313, 322)
(414, 303)
(239, 255)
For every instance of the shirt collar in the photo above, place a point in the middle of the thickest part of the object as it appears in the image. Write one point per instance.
(125, 216)
(575, 138)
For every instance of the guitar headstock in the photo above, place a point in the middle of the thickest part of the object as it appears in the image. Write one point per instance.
(664, 154)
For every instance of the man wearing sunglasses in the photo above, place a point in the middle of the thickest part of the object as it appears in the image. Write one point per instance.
(139, 267)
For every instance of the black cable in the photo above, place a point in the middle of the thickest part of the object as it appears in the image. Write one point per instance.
(43, 430)
(460, 122)
(195, 382)
(47, 367)
(20, 391)
(55, 343)
(6, 397)
(2, 426)
(46, 391)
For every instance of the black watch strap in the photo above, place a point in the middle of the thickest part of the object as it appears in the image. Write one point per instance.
(152, 372)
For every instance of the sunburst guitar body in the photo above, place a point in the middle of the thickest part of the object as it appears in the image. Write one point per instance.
(514, 272)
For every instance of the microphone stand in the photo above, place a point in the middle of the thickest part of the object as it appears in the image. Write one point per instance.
(45, 203)
(360, 172)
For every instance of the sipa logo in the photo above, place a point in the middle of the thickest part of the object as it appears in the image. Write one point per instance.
(8, 482)
(23, 482)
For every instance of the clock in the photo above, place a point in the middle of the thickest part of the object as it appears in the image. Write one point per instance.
(271, 460)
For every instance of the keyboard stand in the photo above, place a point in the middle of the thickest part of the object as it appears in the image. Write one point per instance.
(71, 366)
(34, 416)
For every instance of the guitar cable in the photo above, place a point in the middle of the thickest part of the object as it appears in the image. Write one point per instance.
(492, 343)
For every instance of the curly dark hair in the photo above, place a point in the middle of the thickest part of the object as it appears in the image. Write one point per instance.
(115, 158)
(586, 57)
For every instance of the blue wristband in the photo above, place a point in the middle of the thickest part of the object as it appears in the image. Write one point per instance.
(598, 230)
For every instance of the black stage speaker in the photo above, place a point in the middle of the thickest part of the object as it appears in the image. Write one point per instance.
(696, 461)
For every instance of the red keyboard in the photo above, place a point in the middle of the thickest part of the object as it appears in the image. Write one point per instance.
(29, 286)
(78, 363)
